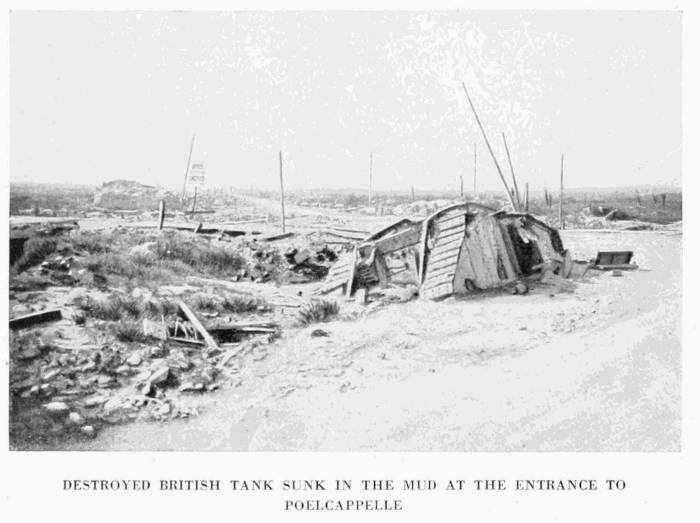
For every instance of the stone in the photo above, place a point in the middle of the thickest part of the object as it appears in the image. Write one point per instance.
(156, 351)
(617, 273)
(520, 288)
(56, 407)
(88, 430)
(75, 418)
(113, 404)
(163, 410)
(123, 370)
(319, 333)
(134, 360)
(105, 381)
(29, 353)
(159, 375)
(94, 401)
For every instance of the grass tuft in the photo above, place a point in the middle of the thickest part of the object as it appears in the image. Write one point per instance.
(318, 311)
(36, 250)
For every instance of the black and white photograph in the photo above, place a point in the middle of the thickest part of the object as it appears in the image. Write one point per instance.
(345, 231)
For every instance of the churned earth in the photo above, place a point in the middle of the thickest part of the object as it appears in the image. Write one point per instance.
(594, 365)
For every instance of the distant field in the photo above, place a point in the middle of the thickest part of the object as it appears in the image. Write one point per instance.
(65, 200)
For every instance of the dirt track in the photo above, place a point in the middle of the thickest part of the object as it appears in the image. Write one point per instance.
(596, 369)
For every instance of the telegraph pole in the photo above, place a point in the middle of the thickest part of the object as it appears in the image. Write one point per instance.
(369, 194)
(187, 169)
(561, 195)
(284, 224)
(474, 168)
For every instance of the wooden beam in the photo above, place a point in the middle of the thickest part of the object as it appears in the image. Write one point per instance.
(187, 312)
(30, 320)
(397, 241)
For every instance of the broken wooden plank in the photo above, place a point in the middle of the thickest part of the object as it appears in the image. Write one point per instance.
(397, 241)
(186, 341)
(619, 267)
(344, 235)
(187, 312)
(274, 237)
(29, 320)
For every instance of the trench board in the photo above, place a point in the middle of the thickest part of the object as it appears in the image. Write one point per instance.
(339, 273)
(442, 261)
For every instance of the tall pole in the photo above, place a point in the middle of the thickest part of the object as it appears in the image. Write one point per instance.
(369, 194)
(512, 173)
(161, 214)
(461, 186)
(284, 223)
(488, 145)
(187, 169)
(561, 195)
(474, 168)
(527, 197)
(194, 202)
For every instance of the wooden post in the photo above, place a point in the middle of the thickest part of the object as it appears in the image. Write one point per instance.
(369, 194)
(527, 197)
(284, 219)
(161, 214)
(187, 168)
(488, 146)
(461, 186)
(512, 173)
(413, 194)
(194, 202)
(561, 195)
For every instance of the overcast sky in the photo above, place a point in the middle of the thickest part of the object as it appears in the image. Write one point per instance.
(97, 96)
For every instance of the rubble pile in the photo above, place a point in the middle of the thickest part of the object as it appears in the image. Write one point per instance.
(58, 390)
(129, 195)
(285, 263)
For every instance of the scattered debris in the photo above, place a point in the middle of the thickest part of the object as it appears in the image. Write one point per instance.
(614, 260)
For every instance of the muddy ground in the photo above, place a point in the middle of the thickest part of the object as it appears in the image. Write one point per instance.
(594, 366)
